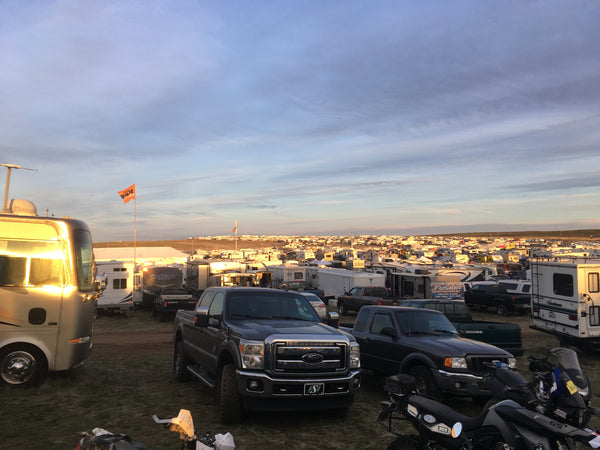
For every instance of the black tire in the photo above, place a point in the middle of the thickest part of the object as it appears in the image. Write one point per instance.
(423, 373)
(180, 363)
(22, 365)
(230, 401)
(501, 309)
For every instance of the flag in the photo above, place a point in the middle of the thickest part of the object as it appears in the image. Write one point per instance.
(234, 227)
(128, 193)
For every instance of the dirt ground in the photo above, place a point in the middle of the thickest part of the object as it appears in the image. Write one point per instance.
(120, 342)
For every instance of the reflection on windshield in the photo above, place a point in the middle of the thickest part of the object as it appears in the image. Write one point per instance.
(266, 305)
(424, 322)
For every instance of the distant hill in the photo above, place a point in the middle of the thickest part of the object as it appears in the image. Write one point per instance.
(207, 244)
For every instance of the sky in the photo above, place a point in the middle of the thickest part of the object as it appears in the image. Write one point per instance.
(328, 117)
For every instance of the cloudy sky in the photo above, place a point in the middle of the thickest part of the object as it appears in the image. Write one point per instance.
(303, 117)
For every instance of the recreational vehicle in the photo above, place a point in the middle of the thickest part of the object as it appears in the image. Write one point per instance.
(565, 300)
(48, 296)
(117, 297)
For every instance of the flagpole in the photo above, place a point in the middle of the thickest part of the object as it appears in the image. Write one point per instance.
(134, 232)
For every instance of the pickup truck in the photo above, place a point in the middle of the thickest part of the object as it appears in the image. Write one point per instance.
(496, 296)
(359, 296)
(501, 334)
(265, 349)
(169, 301)
(423, 343)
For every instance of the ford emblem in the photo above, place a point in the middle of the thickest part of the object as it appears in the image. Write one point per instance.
(312, 358)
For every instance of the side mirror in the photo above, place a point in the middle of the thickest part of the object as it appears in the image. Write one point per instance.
(388, 331)
(201, 316)
(333, 319)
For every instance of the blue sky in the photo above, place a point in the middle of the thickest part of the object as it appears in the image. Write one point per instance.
(303, 117)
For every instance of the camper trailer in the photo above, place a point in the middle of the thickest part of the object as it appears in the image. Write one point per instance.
(565, 300)
(336, 282)
(117, 297)
(153, 279)
(417, 285)
(49, 294)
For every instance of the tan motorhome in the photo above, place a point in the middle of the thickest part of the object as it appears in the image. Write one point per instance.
(48, 296)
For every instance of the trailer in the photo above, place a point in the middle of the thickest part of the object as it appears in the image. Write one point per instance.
(421, 286)
(117, 296)
(565, 300)
(154, 279)
(336, 282)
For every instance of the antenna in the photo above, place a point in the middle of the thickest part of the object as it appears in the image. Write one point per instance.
(9, 167)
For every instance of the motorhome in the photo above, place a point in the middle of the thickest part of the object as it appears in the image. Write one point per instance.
(48, 295)
(565, 300)
(117, 297)
(418, 285)
(150, 280)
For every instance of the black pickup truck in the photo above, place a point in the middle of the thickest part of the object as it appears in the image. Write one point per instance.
(501, 334)
(496, 296)
(423, 343)
(265, 349)
(359, 296)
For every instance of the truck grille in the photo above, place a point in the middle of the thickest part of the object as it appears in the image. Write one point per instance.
(477, 363)
(309, 357)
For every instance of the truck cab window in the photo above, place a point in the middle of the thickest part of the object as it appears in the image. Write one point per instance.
(380, 321)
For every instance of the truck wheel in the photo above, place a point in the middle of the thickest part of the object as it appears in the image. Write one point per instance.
(22, 366)
(230, 401)
(501, 309)
(341, 309)
(421, 372)
(180, 363)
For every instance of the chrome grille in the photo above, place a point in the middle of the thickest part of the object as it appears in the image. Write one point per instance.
(309, 358)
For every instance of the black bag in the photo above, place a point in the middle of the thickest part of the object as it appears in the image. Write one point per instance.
(109, 442)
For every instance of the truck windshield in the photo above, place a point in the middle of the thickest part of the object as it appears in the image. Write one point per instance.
(270, 306)
(424, 322)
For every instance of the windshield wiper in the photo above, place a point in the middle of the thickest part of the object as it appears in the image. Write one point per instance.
(292, 318)
(445, 332)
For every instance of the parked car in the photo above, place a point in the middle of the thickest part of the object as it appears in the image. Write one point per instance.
(169, 301)
(317, 303)
(496, 296)
(301, 286)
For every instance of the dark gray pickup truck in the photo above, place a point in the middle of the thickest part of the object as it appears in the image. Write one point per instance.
(265, 349)
(496, 296)
(501, 334)
(359, 296)
(423, 343)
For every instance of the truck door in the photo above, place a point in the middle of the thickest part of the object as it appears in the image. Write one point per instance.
(379, 347)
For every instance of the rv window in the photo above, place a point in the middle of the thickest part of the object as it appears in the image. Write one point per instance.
(563, 284)
(298, 275)
(593, 282)
(594, 315)
(12, 271)
(31, 263)
(120, 283)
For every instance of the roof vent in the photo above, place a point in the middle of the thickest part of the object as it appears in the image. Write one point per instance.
(20, 207)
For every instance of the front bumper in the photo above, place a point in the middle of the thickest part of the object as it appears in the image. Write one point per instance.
(461, 384)
(260, 384)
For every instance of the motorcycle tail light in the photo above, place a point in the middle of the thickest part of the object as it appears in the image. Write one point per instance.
(456, 429)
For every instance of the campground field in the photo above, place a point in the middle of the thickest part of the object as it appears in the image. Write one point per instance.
(127, 380)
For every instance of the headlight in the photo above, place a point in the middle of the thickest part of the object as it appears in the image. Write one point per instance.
(253, 354)
(455, 362)
(512, 363)
(354, 356)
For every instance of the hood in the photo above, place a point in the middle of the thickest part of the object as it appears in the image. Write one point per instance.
(261, 329)
(456, 346)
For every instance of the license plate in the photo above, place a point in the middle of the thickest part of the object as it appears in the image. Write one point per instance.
(314, 389)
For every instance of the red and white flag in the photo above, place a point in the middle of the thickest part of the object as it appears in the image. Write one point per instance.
(128, 193)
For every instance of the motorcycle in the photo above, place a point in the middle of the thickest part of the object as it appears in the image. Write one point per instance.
(503, 426)
(561, 390)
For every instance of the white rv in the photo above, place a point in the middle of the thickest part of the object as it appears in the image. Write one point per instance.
(48, 296)
(118, 295)
(336, 282)
(565, 300)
